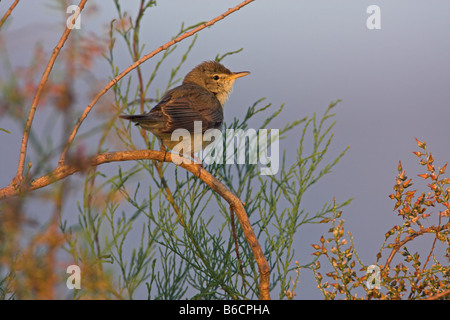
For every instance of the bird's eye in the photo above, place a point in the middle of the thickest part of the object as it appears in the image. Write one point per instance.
(216, 77)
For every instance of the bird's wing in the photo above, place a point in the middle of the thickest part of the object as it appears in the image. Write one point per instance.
(179, 110)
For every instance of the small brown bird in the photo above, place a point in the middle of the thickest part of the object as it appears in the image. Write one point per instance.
(200, 97)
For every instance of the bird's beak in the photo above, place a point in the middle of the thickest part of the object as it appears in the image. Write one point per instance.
(236, 75)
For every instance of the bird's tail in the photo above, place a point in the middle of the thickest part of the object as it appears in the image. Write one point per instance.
(143, 120)
(132, 117)
(137, 118)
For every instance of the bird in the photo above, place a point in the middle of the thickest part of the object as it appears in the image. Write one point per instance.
(200, 97)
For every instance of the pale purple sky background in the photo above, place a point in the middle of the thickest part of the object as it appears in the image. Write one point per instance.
(394, 84)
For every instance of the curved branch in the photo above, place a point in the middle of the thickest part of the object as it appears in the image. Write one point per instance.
(64, 170)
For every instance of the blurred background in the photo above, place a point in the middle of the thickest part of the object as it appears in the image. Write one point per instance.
(393, 82)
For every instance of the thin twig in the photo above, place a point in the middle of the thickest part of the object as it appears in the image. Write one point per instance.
(136, 53)
(398, 245)
(8, 13)
(37, 96)
(137, 63)
(432, 246)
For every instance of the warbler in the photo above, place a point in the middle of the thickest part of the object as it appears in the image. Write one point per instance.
(200, 97)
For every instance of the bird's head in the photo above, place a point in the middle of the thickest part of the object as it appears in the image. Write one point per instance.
(215, 78)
